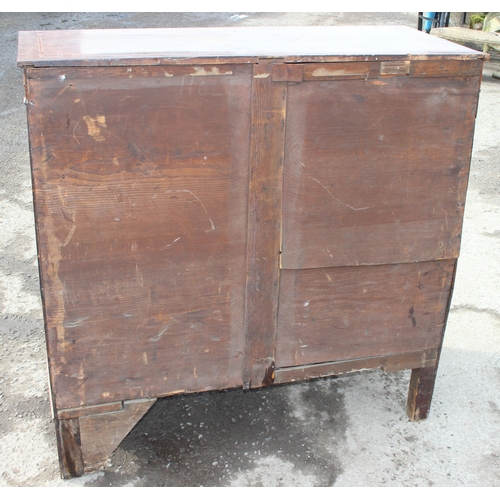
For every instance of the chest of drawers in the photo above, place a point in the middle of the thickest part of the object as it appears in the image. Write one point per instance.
(241, 207)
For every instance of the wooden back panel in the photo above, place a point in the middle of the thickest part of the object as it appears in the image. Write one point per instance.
(348, 313)
(141, 196)
(164, 196)
(376, 170)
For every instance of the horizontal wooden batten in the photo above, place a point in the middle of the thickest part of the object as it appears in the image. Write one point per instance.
(388, 363)
(361, 70)
(392, 68)
(89, 410)
(370, 69)
(455, 68)
(342, 71)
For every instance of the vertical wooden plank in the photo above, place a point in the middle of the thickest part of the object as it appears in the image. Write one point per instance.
(264, 224)
(69, 447)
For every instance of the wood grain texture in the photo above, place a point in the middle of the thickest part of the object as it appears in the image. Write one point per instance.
(69, 446)
(361, 312)
(376, 171)
(433, 69)
(101, 434)
(161, 46)
(264, 225)
(141, 182)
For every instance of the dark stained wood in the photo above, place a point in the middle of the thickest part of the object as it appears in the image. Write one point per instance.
(287, 72)
(264, 225)
(69, 448)
(410, 360)
(423, 378)
(360, 312)
(401, 361)
(141, 207)
(163, 46)
(420, 393)
(445, 68)
(376, 171)
(101, 434)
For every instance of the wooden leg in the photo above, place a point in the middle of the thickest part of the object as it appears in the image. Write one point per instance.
(69, 447)
(87, 436)
(420, 393)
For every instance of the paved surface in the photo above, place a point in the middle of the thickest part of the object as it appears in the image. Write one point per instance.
(350, 431)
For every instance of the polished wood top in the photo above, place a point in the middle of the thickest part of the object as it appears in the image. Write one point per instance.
(116, 47)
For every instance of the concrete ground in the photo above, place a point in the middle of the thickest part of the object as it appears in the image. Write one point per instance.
(350, 431)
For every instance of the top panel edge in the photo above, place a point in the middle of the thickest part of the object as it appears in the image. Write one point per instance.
(105, 47)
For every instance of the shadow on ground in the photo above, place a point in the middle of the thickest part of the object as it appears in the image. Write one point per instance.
(232, 437)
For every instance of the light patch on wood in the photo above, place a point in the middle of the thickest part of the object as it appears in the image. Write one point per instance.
(389, 68)
(262, 75)
(377, 82)
(213, 71)
(70, 235)
(162, 331)
(332, 72)
(94, 126)
(168, 75)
